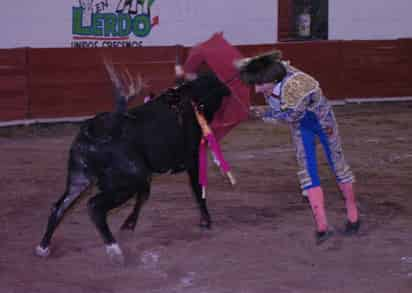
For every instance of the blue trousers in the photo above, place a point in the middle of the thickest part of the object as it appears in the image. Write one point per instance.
(305, 135)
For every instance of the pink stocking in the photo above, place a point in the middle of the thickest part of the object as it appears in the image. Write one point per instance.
(316, 199)
(351, 209)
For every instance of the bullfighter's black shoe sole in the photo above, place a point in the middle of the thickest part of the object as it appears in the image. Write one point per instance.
(322, 236)
(351, 228)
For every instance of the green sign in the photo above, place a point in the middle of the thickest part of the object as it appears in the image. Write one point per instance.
(129, 18)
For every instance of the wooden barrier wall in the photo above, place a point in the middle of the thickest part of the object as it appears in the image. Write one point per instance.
(70, 82)
(13, 84)
(351, 69)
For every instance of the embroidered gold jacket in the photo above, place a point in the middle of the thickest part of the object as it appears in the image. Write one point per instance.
(299, 92)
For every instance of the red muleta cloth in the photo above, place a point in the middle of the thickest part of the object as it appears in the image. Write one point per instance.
(219, 55)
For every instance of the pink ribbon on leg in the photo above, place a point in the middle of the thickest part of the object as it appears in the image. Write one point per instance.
(203, 163)
(215, 148)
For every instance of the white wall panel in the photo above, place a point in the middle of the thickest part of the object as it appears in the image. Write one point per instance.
(370, 19)
(48, 23)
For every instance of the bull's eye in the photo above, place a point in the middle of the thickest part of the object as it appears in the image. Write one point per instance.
(201, 107)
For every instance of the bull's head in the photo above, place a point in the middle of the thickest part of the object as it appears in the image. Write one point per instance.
(206, 92)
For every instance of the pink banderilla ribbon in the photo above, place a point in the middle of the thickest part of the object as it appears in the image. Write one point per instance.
(209, 139)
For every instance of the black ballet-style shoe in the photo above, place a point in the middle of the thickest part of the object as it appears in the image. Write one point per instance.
(351, 228)
(322, 236)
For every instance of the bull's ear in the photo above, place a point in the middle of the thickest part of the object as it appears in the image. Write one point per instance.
(226, 90)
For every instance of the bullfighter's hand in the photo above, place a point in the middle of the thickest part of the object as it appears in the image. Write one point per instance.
(255, 113)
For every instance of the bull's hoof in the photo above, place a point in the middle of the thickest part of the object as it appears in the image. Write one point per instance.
(128, 225)
(115, 254)
(42, 251)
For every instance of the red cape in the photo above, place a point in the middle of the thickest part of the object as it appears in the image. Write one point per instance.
(219, 56)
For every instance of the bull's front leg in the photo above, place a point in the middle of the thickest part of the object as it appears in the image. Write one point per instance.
(193, 171)
(141, 198)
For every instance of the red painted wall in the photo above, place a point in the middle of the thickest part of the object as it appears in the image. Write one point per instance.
(13, 84)
(53, 83)
(67, 82)
(352, 69)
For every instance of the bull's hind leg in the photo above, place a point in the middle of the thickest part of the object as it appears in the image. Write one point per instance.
(76, 184)
(205, 220)
(98, 207)
(141, 198)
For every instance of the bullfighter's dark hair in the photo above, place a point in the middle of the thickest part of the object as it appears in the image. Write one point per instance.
(263, 68)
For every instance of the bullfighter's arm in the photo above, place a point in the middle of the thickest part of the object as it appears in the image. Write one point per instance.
(288, 115)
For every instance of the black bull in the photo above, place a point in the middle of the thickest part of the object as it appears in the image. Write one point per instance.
(119, 152)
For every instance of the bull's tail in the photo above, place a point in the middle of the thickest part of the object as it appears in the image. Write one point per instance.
(126, 86)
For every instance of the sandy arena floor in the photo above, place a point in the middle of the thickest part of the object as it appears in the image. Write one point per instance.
(263, 234)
